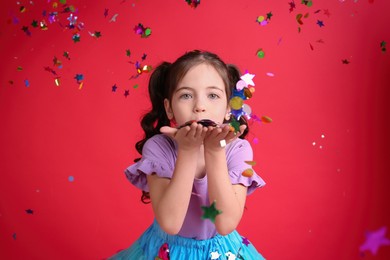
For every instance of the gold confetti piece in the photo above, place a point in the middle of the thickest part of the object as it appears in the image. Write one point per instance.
(81, 85)
(247, 173)
(57, 82)
(253, 163)
(236, 103)
(266, 119)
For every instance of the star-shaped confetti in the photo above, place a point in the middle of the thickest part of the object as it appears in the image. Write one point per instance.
(66, 55)
(269, 15)
(215, 255)
(292, 6)
(320, 23)
(345, 61)
(230, 256)
(248, 78)
(210, 212)
(126, 93)
(29, 211)
(374, 240)
(245, 241)
(76, 37)
(34, 23)
(113, 88)
(128, 53)
(26, 30)
(79, 77)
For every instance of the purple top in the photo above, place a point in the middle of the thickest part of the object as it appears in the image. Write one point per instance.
(159, 156)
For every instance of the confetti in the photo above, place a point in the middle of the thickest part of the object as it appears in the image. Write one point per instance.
(215, 255)
(96, 34)
(260, 54)
(66, 55)
(230, 256)
(345, 61)
(70, 178)
(126, 93)
(320, 23)
(79, 78)
(113, 18)
(270, 74)
(245, 241)
(26, 30)
(141, 30)
(76, 37)
(383, 46)
(193, 3)
(163, 252)
(292, 6)
(26, 83)
(113, 88)
(266, 119)
(210, 212)
(252, 163)
(57, 81)
(374, 240)
(29, 211)
(248, 173)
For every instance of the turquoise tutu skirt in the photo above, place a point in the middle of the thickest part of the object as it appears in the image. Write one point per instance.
(155, 244)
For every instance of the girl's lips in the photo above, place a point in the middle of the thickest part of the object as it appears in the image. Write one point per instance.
(204, 122)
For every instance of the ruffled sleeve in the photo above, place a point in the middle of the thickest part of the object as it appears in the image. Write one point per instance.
(237, 153)
(158, 156)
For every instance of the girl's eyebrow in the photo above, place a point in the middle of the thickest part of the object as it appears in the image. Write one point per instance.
(192, 89)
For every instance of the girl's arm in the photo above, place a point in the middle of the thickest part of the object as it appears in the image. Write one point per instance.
(229, 198)
(170, 198)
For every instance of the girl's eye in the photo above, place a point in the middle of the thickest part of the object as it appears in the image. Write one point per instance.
(185, 96)
(213, 96)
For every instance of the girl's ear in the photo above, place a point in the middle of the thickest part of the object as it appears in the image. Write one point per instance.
(168, 109)
(227, 116)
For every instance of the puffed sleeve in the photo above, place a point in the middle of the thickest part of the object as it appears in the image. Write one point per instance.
(158, 156)
(237, 153)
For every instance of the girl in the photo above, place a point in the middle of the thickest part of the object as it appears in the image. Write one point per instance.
(192, 164)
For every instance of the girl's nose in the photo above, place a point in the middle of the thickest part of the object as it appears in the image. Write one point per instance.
(199, 107)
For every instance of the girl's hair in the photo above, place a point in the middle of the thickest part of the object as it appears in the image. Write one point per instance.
(163, 82)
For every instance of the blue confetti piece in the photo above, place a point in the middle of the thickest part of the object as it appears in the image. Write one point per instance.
(26, 83)
(70, 178)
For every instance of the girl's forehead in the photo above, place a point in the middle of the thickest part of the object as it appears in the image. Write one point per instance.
(202, 74)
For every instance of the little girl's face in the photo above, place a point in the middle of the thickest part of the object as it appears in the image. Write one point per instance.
(199, 95)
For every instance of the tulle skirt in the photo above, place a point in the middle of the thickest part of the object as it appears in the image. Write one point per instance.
(155, 244)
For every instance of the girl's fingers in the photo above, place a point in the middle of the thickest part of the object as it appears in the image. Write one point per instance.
(168, 131)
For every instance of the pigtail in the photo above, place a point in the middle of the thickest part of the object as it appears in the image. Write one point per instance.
(152, 121)
(156, 118)
(234, 77)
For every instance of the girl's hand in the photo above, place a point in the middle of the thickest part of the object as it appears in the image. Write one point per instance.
(188, 137)
(218, 137)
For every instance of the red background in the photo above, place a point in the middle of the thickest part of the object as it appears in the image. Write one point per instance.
(324, 157)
